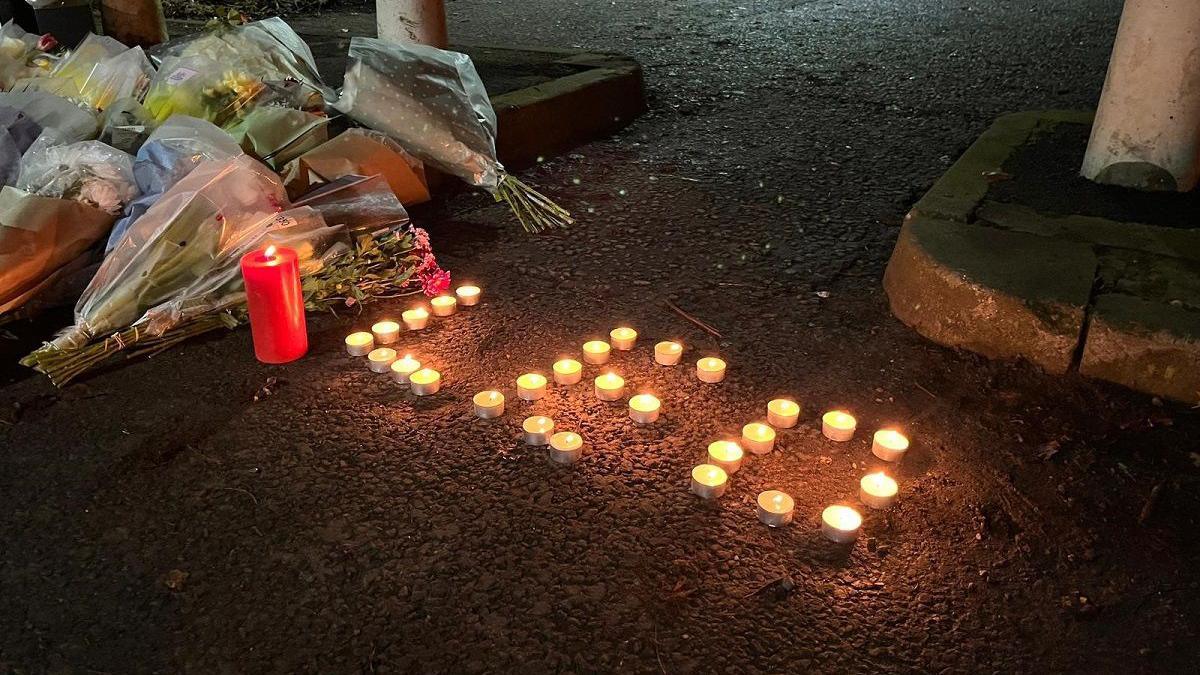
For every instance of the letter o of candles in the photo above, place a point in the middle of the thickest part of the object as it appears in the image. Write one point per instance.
(840, 524)
(710, 369)
(709, 482)
(566, 447)
(775, 508)
(567, 371)
(726, 454)
(275, 303)
(537, 430)
(531, 386)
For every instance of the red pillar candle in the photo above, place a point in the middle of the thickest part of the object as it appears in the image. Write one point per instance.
(276, 304)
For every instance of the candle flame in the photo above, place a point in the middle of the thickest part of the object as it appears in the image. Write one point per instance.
(270, 252)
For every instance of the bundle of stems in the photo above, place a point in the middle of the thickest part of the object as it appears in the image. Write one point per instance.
(378, 266)
(535, 211)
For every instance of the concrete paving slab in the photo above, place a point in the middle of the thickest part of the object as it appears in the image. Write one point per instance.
(1145, 345)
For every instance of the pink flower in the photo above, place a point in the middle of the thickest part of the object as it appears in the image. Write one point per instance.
(435, 282)
(46, 43)
(421, 240)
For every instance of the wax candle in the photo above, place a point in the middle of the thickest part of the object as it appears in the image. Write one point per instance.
(596, 352)
(386, 332)
(360, 343)
(468, 296)
(537, 430)
(425, 382)
(402, 369)
(758, 438)
(416, 318)
(610, 387)
(889, 445)
(275, 304)
(380, 360)
(725, 454)
(878, 490)
(710, 369)
(840, 524)
(488, 404)
(531, 386)
(709, 481)
(567, 371)
(644, 408)
(622, 338)
(783, 413)
(667, 353)
(838, 425)
(775, 508)
(566, 447)
(443, 305)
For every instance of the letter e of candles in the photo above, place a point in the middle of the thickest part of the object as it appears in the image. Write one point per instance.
(276, 304)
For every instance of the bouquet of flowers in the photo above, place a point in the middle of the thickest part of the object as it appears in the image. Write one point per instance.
(174, 274)
(433, 103)
(23, 55)
(88, 171)
(98, 72)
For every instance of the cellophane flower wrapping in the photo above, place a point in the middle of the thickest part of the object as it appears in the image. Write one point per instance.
(88, 171)
(193, 232)
(98, 72)
(430, 100)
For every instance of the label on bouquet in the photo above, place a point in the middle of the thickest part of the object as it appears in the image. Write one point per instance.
(180, 76)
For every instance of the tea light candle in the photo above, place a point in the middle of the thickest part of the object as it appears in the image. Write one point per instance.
(402, 369)
(644, 408)
(758, 438)
(878, 490)
(725, 454)
(531, 386)
(840, 524)
(415, 318)
(443, 305)
(468, 296)
(566, 447)
(425, 382)
(667, 353)
(488, 404)
(709, 481)
(622, 338)
(386, 332)
(710, 369)
(838, 426)
(775, 508)
(610, 387)
(360, 343)
(567, 371)
(537, 430)
(380, 360)
(889, 445)
(596, 352)
(783, 413)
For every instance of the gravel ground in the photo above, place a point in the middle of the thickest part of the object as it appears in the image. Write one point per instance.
(157, 519)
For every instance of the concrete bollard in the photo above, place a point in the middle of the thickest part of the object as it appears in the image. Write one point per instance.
(422, 21)
(1147, 129)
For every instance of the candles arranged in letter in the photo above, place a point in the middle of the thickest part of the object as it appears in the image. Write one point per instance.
(838, 425)
(360, 343)
(644, 408)
(758, 438)
(402, 369)
(537, 430)
(667, 353)
(386, 332)
(488, 404)
(275, 304)
(889, 445)
(416, 318)
(840, 524)
(775, 508)
(443, 305)
(710, 369)
(531, 386)
(709, 482)
(380, 360)
(610, 387)
(725, 454)
(622, 338)
(783, 413)
(878, 490)
(468, 296)
(425, 382)
(566, 447)
(567, 371)
(596, 352)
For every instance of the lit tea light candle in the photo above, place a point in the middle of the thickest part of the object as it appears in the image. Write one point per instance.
(710, 369)
(566, 447)
(840, 524)
(380, 360)
(667, 353)
(644, 408)
(443, 305)
(709, 481)
(622, 338)
(758, 438)
(416, 318)
(725, 454)
(425, 382)
(838, 425)
(567, 371)
(488, 404)
(775, 508)
(889, 445)
(468, 296)
(402, 369)
(386, 332)
(531, 386)
(783, 413)
(596, 352)
(878, 490)
(610, 387)
(537, 430)
(360, 343)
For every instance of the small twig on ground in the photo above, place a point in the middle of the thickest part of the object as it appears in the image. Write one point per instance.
(245, 492)
(764, 587)
(707, 328)
(931, 394)
(1151, 502)
(657, 655)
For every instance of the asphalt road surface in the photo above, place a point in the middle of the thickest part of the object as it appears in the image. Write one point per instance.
(157, 519)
